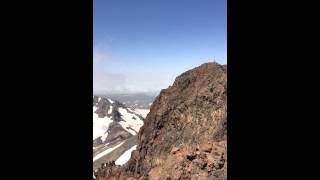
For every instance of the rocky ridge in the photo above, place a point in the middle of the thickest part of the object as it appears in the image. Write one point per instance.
(115, 129)
(184, 136)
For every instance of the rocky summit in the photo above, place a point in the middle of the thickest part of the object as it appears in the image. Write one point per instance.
(184, 136)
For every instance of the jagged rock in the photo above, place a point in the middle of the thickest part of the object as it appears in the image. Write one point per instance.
(182, 120)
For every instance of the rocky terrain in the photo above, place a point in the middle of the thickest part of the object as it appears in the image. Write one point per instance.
(115, 129)
(184, 136)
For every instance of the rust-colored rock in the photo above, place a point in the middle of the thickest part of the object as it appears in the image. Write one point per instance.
(185, 132)
(174, 150)
(207, 147)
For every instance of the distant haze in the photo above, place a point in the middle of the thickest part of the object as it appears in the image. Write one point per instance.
(141, 46)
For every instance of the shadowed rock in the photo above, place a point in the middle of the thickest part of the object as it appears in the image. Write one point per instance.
(185, 132)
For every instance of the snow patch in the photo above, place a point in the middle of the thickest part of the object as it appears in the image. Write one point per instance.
(142, 112)
(110, 110)
(104, 136)
(132, 122)
(100, 125)
(98, 156)
(111, 101)
(125, 156)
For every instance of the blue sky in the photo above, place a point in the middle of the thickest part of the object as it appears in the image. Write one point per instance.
(142, 45)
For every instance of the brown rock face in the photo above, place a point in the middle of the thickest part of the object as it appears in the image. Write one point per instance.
(185, 133)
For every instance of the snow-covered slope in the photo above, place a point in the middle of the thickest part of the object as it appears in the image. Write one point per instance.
(114, 130)
(100, 125)
(98, 156)
(132, 122)
(125, 156)
(142, 112)
(107, 111)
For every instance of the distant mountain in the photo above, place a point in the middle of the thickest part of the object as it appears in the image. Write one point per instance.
(133, 100)
(115, 129)
(185, 132)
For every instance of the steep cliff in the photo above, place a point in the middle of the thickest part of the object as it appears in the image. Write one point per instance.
(185, 133)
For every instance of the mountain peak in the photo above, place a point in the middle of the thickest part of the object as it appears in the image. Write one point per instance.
(184, 134)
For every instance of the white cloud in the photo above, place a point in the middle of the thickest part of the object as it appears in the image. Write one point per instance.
(102, 80)
(109, 82)
(113, 75)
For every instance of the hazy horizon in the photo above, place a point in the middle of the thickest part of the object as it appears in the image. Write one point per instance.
(141, 46)
(106, 93)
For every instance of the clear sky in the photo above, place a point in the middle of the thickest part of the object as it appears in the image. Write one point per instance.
(142, 45)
